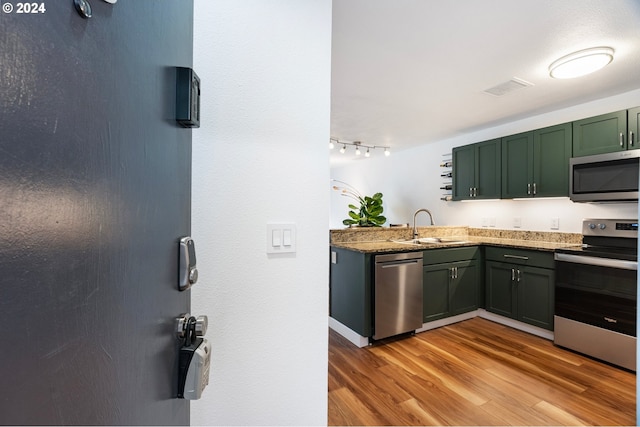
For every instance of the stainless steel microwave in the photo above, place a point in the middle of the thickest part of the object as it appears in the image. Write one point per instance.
(610, 177)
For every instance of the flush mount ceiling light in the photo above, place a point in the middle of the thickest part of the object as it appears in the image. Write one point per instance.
(581, 63)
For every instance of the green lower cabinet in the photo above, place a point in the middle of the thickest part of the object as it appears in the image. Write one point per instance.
(435, 292)
(521, 292)
(536, 296)
(501, 296)
(350, 289)
(450, 289)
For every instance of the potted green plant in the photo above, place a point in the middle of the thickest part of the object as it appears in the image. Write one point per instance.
(369, 211)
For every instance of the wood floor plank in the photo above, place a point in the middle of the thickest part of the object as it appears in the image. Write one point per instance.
(415, 409)
(349, 410)
(481, 380)
(560, 416)
(475, 372)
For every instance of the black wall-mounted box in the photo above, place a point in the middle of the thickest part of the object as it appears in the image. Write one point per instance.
(187, 97)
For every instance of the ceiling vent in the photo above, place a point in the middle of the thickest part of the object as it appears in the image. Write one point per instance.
(508, 87)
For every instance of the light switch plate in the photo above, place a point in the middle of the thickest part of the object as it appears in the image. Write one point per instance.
(281, 237)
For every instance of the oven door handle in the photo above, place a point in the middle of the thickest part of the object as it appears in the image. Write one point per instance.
(600, 262)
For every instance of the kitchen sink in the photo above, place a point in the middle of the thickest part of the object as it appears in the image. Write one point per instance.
(430, 241)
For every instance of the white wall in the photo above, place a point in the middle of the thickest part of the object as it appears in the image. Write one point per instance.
(410, 180)
(260, 156)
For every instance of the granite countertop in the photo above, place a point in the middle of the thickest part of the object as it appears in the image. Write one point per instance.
(386, 239)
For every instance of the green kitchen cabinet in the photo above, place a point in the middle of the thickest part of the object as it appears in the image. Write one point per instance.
(536, 163)
(520, 285)
(605, 133)
(350, 289)
(633, 127)
(451, 282)
(476, 171)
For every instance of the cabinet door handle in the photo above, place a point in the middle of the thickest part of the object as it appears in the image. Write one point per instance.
(470, 191)
(516, 257)
(630, 138)
(534, 189)
(513, 274)
(518, 279)
(528, 188)
(621, 139)
(610, 320)
(456, 272)
(475, 191)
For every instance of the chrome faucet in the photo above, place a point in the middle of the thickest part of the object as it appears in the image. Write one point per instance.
(415, 231)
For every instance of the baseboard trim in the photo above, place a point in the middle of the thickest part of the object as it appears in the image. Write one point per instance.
(447, 321)
(353, 337)
(360, 341)
(515, 324)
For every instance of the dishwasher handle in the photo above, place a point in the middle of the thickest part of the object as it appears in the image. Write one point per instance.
(391, 264)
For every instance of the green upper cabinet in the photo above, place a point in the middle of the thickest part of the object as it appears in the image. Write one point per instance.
(634, 128)
(476, 171)
(536, 163)
(464, 170)
(601, 134)
(517, 165)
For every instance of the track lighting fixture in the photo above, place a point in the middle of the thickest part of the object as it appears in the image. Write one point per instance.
(358, 146)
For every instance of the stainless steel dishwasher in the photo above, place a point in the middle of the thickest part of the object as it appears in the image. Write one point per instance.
(397, 294)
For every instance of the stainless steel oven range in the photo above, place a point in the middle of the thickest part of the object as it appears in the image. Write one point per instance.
(595, 292)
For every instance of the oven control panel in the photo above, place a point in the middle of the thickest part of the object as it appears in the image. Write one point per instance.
(627, 226)
(610, 227)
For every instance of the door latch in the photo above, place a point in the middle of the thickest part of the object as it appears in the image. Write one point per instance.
(188, 273)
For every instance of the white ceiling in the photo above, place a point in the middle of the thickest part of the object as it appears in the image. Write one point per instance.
(411, 72)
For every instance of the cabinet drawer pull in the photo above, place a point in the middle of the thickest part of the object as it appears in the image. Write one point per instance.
(526, 258)
(529, 189)
(630, 138)
(621, 139)
(610, 320)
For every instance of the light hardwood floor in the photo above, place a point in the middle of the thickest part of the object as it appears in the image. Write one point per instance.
(475, 372)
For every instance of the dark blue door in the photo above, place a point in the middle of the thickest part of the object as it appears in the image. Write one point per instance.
(95, 191)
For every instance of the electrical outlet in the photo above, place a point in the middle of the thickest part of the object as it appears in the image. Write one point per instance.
(517, 222)
(555, 223)
(485, 222)
(492, 222)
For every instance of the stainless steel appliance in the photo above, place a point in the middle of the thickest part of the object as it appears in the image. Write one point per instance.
(611, 177)
(596, 292)
(397, 294)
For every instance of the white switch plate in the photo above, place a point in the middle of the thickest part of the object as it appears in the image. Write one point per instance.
(517, 222)
(555, 223)
(281, 237)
